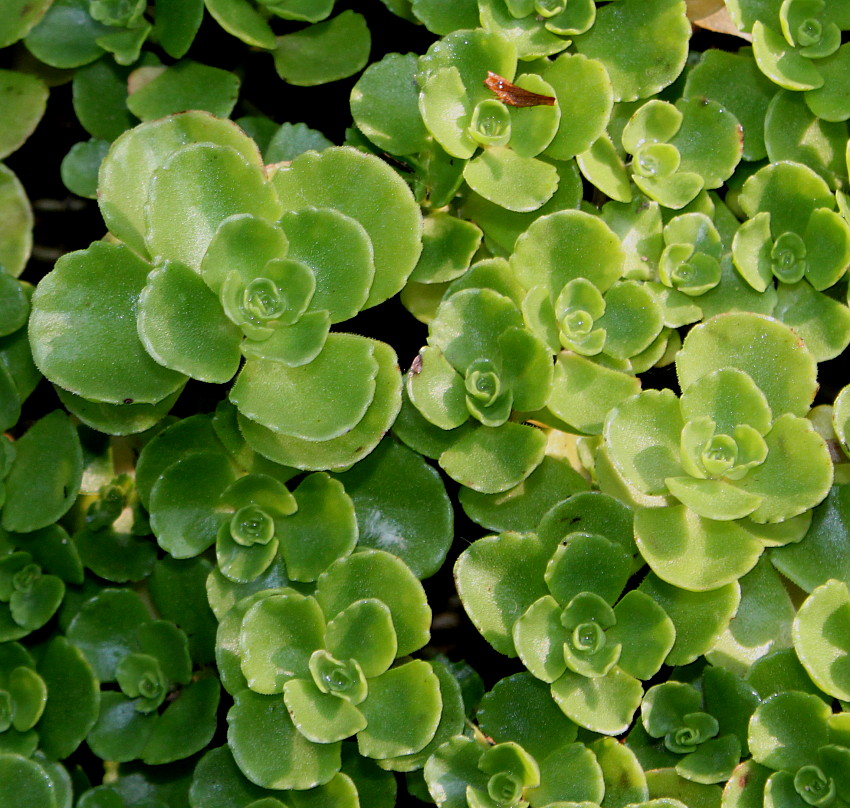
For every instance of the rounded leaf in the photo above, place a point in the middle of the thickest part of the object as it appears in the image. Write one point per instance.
(377, 574)
(88, 299)
(822, 638)
(365, 188)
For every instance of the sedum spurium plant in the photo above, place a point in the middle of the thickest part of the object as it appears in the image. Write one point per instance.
(572, 533)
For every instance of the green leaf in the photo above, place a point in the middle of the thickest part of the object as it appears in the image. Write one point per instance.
(24, 98)
(520, 507)
(714, 499)
(385, 105)
(646, 633)
(781, 63)
(323, 529)
(532, 128)
(821, 554)
(452, 769)
(22, 16)
(270, 751)
(47, 470)
(603, 167)
(337, 453)
(219, 783)
(605, 704)
(498, 578)
(402, 711)
(324, 52)
(791, 480)
(446, 110)
(80, 166)
(517, 183)
(338, 250)
(276, 396)
(536, 727)
(787, 729)
(373, 194)
(571, 774)
(278, 635)
(642, 435)
(448, 245)
(734, 81)
(243, 243)
(401, 505)
(584, 562)
(585, 99)
(243, 21)
(182, 216)
(321, 717)
(76, 304)
(186, 85)
(135, 157)
(377, 574)
(654, 54)
(562, 246)
(203, 344)
(829, 102)
(363, 632)
(539, 639)
(25, 784)
(789, 192)
(16, 223)
(65, 35)
(289, 140)
(793, 132)
(584, 392)
(72, 709)
(761, 625)
(710, 140)
(769, 352)
(699, 617)
(821, 639)
(494, 459)
(184, 500)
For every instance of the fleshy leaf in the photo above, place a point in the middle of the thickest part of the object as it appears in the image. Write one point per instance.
(326, 51)
(278, 397)
(402, 711)
(604, 704)
(494, 459)
(203, 344)
(76, 304)
(517, 183)
(279, 633)
(269, 749)
(498, 578)
(822, 640)
(371, 193)
(377, 574)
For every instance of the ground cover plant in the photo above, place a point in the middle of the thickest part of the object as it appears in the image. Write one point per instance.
(410, 401)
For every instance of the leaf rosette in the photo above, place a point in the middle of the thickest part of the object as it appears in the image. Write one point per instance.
(576, 303)
(471, 99)
(481, 366)
(23, 696)
(334, 658)
(795, 736)
(795, 238)
(724, 450)
(162, 711)
(798, 46)
(674, 713)
(678, 150)
(265, 266)
(590, 644)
